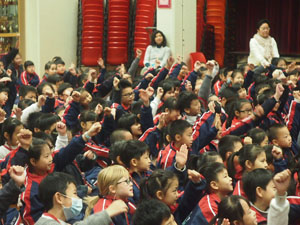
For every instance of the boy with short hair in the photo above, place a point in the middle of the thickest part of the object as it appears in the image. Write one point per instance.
(29, 77)
(62, 203)
(28, 92)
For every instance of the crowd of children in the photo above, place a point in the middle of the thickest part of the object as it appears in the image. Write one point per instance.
(168, 146)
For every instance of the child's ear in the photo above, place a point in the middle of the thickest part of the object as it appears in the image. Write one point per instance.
(82, 124)
(248, 165)
(32, 161)
(187, 110)
(274, 142)
(177, 137)
(259, 192)
(227, 155)
(57, 198)
(236, 113)
(47, 131)
(133, 162)
(168, 138)
(167, 110)
(112, 189)
(160, 195)
(6, 135)
(213, 185)
(236, 222)
(36, 130)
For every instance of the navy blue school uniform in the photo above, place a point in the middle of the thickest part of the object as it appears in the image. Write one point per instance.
(294, 213)
(136, 180)
(31, 79)
(152, 137)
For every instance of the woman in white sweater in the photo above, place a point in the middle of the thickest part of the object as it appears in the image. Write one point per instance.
(262, 46)
(158, 49)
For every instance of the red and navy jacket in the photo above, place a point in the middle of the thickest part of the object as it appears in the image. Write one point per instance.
(159, 77)
(100, 150)
(239, 190)
(294, 213)
(166, 157)
(70, 117)
(152, 137)
(121, 219)
(217, 87)
(203, 132)
(11, 98)
(136, 180)
(205, 211)
(261, 219)
(29, 79)
(32, 207)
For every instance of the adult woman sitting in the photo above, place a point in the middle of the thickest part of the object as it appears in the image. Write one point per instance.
(262, 46)
(158, 49)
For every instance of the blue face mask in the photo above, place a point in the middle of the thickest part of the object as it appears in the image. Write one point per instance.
(74, 210)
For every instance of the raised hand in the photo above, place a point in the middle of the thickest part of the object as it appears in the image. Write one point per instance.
(61, 128)
(25, 138)
(282, 181)
(170, 62)
(41, 101)
(18, 112)
(17, 173)
(89, 155)
(247, 140)
(279, 91)
(277, 153)
(100, 62)
(116, 82)
(159, 92)
(92, 75)
(162, 120)
(194, 176)
(95, 129)
(197, 66)
(139, 53)
(98, 109)
(116, 207)
(76, 96)
(181, 156)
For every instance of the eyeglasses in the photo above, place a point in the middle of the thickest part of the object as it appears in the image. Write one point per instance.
(128, 94)
(127, 181)
(246, 110)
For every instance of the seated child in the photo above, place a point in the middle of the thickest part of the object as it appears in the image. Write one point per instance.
(29, 77)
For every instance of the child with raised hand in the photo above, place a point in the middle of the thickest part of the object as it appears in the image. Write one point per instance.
(114, 184)
(163, 185)
(9, 193)
(250, 157)
(10, 129)
(42, 162)
(234, 210)
(219, 185)
(62, 203)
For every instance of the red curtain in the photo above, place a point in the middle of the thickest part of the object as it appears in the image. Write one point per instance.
(284, 17)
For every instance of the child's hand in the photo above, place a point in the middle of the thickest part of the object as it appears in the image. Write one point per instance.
(116, 83)
(100, 62)
(41, 101)
(157, 64)
(217, 122)
(25, 138)
(122, 70)
(145, 95)
(49, 94)
(197, 66)
(279, 91)
(89, 155)
(179, 59)
(210, 66)
(181, 157)
(138, 53)
(17, 173)
(95, 129)
(188, 86)
(159, 92)
(5, 79)
(162, 121)
(296, 95)
(116, 207)
(98, 109)
(61, 128)
(291, 67)
(247, 140)
(2, 115)
(277, 153)
(170, 62)
(76, 96)
(225, 222)
(258, 111)
(18, 112)
(9, 72)
(149, 76)
(107, 111)
(251, 67)
(194, 176)
(92, 75)
(72, 69)
(282, 181)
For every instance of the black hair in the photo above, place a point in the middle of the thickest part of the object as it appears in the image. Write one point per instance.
(25, 89)
(134, 149)
(46, 120)
(237, 104)
(153, 43)
(24, 103)
(127, 120)
(87, 116)
(236, 72)
(63, 87)
(247, 152)
(269, 156)
(178, 127)
(35, 150)
(261, 22)
(266, 94)
(151, 212)
(43, 136)
(170, 104)
(273, 131)
(116, 148)
(28, 63)
(196, 162)
(53, 79)
(226, 144)
(276, 60)
(9, 126)
(58, 60)
(34, 119)
(256, 178)
(4, 88)
(48, 65)
(117, 135)
(82, 79)
(124, 83)
(159, 180)
(228, 93)
(210, 172)
(230, 208)
(166, 85)
(223, 71)
(47, 190)
(136, 107)
(41, 87)
(185, 99)
(257, 135)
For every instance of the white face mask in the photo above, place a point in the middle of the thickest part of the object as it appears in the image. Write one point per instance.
(74, 210)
